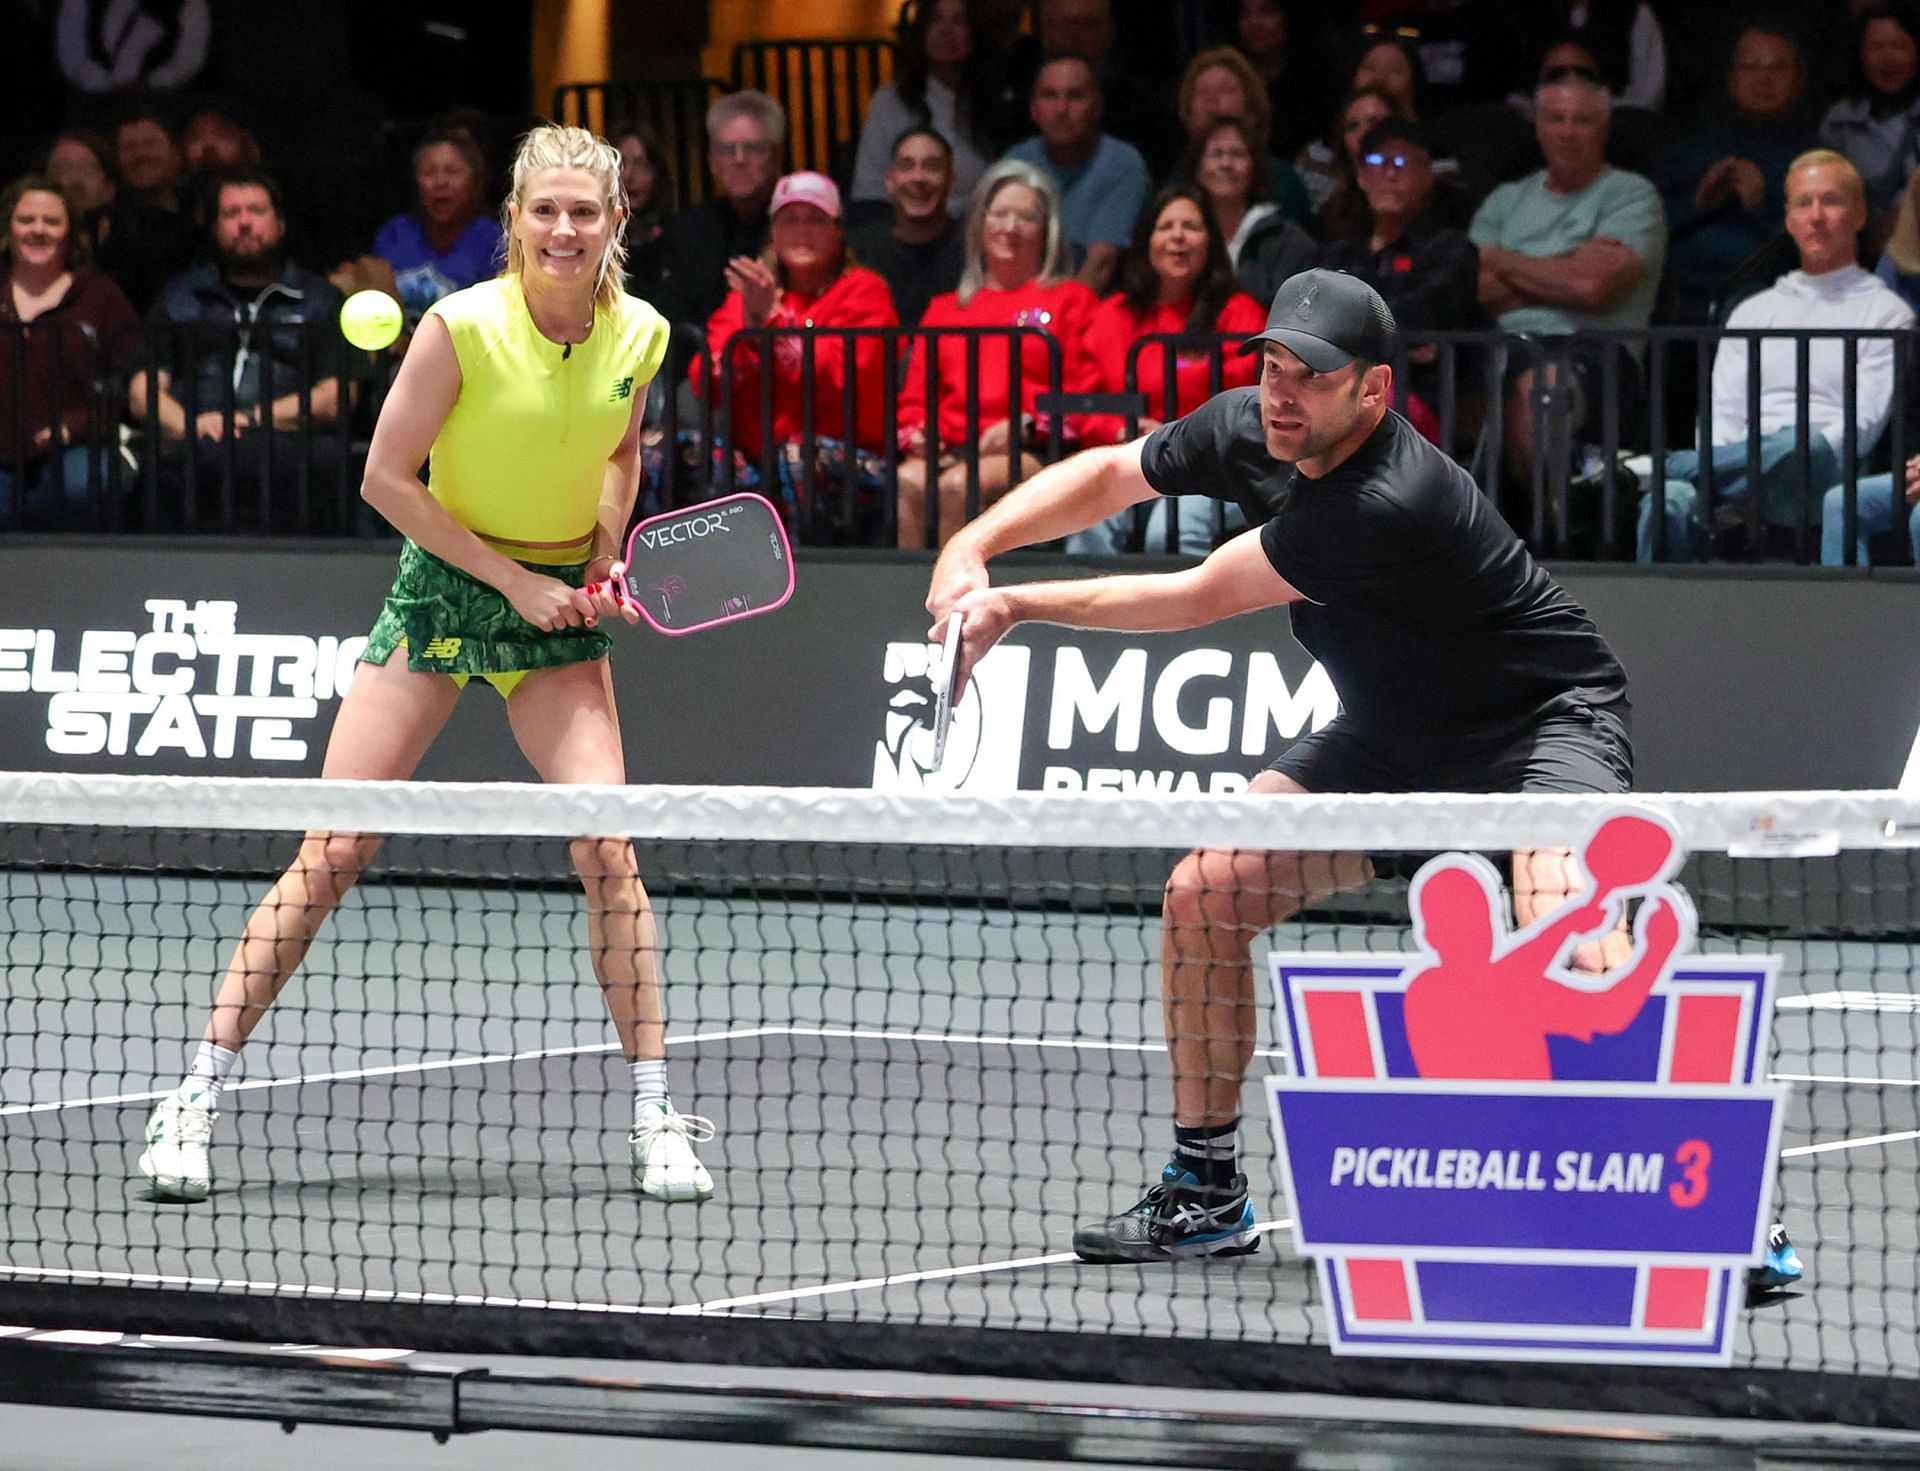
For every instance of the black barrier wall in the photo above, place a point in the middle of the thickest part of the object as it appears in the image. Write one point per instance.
(229, 660)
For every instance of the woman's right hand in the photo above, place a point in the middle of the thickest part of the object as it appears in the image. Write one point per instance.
(759, 288)
(548, 603)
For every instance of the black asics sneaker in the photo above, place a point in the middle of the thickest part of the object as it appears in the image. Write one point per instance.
(1179, 1217)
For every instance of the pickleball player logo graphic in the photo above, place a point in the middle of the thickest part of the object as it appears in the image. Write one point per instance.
(1493, 1154)
(985, 740)
(1487, 1005)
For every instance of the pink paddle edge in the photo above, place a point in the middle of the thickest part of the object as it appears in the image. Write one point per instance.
(786, 555)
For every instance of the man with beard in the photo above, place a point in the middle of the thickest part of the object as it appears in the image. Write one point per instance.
(917, 250)
(245, 356)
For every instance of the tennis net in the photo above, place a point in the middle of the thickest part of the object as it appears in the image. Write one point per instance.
(928, 1032)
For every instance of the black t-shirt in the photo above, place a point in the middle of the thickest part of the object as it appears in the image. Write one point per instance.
(915, 274)
(1438, 629)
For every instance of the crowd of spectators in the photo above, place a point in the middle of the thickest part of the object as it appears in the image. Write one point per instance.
(1567, 173)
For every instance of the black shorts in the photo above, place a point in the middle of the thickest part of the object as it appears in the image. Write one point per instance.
(1574, 746)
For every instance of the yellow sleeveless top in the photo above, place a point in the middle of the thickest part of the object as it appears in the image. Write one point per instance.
(522, 457)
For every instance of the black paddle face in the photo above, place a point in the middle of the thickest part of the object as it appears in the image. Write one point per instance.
(709, 564)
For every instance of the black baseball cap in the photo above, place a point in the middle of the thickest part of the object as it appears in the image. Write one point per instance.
(1327, 319)
(1394, 130)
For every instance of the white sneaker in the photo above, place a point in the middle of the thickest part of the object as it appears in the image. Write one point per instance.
(175, 1160)
(661, 1148)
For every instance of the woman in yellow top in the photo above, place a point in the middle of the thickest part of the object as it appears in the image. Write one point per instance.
(526, 393)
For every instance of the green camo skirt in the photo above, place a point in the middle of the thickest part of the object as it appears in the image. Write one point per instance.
(451, 623)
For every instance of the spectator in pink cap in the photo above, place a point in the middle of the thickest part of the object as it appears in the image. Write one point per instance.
(806, 278)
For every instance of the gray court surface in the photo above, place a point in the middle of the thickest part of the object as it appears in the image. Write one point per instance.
(914, 1105)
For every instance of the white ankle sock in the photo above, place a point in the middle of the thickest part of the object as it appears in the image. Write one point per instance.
(209, 1069)
(649, 1085)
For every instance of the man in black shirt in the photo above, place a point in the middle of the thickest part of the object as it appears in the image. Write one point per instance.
(746, 132)
(918, 249)
(1460, 666)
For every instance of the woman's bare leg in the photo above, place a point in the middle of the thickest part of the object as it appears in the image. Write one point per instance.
(388, 718)
(565, 723)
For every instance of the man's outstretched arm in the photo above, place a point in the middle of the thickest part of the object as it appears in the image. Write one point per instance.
(1236, 578)
(1078, 492)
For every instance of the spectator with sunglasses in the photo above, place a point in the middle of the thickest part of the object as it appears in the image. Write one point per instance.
(1427, 274)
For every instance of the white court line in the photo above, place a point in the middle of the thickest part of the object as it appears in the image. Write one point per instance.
(310, 1290)
(446, 1064)
(1843, 1078)
(1898, 1002)
(896, 1279)
(847, 1033)
(1838, 1144)
(719, 1305)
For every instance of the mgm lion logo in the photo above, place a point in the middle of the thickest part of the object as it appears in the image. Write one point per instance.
(984, 743)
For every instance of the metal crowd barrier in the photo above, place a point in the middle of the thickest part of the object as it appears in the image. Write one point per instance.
(1654, 396)
(256, 475)
(299, 477)
(863, 512)
(1610, 408)
(36, 359)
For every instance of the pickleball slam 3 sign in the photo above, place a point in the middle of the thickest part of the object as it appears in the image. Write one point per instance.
(1492, 1155)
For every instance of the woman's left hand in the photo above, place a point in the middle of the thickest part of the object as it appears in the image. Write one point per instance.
(607, 593)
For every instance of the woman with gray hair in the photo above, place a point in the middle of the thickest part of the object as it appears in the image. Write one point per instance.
(1016, 276)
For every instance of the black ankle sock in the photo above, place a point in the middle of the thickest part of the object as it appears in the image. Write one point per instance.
(1211, 1153)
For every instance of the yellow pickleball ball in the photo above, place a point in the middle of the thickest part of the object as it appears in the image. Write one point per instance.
(370, 320)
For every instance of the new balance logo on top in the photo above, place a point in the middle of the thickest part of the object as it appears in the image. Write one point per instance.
(622, 388)
(441, 648)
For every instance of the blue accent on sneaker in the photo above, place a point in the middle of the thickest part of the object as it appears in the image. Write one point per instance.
(1179, 1217)
(1783, 1266)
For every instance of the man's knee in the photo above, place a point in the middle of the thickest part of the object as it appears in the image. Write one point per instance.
(1212, 888)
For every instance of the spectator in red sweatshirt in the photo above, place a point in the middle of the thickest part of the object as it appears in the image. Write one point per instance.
(806, 278)
(1016, 276)
(1176, 280)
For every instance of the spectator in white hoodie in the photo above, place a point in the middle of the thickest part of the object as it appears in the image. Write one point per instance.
(1826, 209)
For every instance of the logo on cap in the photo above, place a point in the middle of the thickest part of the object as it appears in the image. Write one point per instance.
(1304, 308)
